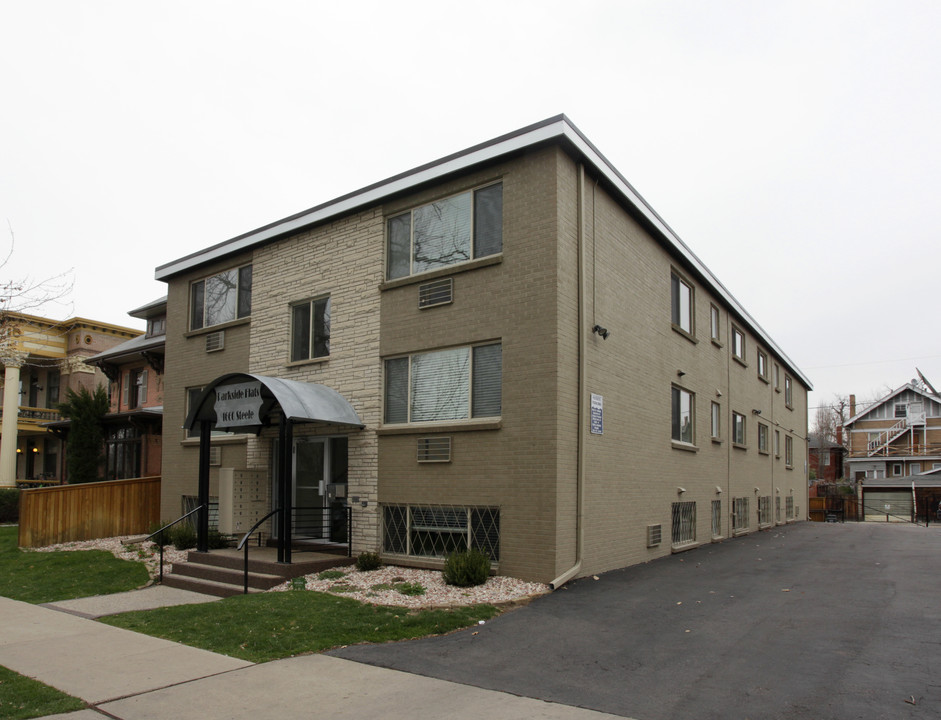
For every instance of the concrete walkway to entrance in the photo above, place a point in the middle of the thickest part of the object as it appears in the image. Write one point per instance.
(129, 676)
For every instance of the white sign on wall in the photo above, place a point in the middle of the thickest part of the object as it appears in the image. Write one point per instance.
(597, 414)
(238, 405)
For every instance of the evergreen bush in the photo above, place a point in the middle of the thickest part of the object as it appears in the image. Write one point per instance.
(9, 505)
(466, 568)
(368, 561)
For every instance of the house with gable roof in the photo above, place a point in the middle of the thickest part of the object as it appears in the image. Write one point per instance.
(894, 450)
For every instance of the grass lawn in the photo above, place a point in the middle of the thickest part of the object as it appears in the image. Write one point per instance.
(22, 697)
(268, 626)
(46, 577)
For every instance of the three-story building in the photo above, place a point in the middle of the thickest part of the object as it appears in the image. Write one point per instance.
(529, 361)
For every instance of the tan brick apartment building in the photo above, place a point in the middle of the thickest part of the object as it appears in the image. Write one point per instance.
(540, 367)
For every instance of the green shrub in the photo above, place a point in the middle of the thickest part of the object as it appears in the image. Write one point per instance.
(183, 536)
(410, 588)
(164, 538)
(368, 561)
(217, 540)
(331, 575)
(9, 505)
(466, 568)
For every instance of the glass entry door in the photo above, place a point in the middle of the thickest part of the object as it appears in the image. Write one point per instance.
(311, 458)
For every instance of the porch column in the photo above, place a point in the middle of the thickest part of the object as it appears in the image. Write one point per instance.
(287, 484)
(11, 411)
(202, 517)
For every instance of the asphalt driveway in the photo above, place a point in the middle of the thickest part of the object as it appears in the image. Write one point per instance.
(811, 620)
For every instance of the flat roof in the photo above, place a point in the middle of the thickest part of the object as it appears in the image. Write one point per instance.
(556, 129)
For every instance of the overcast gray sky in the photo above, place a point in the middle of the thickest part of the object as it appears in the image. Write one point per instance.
(792, 145)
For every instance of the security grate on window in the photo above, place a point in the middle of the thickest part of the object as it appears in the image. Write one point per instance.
(439, 292)
(684, 524)
(740, 512)
(434, 449)
(215, 341)
(438, 530)
(716, 518)
(764, 510)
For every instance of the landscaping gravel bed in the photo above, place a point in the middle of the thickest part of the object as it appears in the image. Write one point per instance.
(389, 585)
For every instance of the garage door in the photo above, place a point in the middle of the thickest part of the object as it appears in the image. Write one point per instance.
(896, 503)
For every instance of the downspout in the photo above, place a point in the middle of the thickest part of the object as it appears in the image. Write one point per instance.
(582, 372)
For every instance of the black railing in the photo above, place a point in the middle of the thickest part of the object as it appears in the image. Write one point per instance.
(162, 541)
(329, 526)
(243, 543)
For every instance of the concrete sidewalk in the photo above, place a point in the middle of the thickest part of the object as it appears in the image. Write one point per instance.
(131, 676)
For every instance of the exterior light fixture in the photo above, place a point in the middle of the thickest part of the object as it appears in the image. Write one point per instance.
(603, 332)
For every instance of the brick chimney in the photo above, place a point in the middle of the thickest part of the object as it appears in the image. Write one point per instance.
(839, 435)
(852, 406)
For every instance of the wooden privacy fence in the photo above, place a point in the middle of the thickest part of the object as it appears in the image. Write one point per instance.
(92, 510)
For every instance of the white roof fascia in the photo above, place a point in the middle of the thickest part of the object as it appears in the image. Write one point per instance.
(553, 128)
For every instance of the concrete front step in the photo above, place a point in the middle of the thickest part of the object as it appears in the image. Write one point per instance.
(206, 587)
(221, 572)
(213, 573)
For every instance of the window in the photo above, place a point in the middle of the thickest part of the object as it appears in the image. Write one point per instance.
(762, 438)
(684, 524)
(826, 457)
(449, 231)
(135, 388)
(901, 410)
(682, 413)
(310, 329)
(53, 381)
(777, 377)
(789, 507)
(714, 324)
(777, 443)
(714, 425)
(157, 326)
(123, 453)
(221, 298)
(762, 365)
(740, 512)
(788, 391)
(716, 518)
(764, 510)
(438, 530)
(738, 344)
(192, 395)
(738, 429)
(777, 508)
(451, 384)
(789, 451)
(681, 304)
(896, 469)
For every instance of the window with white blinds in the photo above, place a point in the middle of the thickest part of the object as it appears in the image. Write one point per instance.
(454, 384)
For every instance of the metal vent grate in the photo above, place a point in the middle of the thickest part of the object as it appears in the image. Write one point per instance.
(215, 456)
(654, 532)
(434, 449)
(439, 292)
(215, 341)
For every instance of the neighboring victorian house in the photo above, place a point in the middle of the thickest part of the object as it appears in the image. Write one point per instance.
(134, 424)
(894, 444)
(42, 359)
(505, 349)
(826, 458)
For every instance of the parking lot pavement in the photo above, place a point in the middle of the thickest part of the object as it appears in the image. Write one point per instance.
(810, 620)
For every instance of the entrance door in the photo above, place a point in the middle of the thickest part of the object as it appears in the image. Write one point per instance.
(311, 462)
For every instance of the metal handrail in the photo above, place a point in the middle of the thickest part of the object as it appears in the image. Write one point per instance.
(165, 527)
(244, 543)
